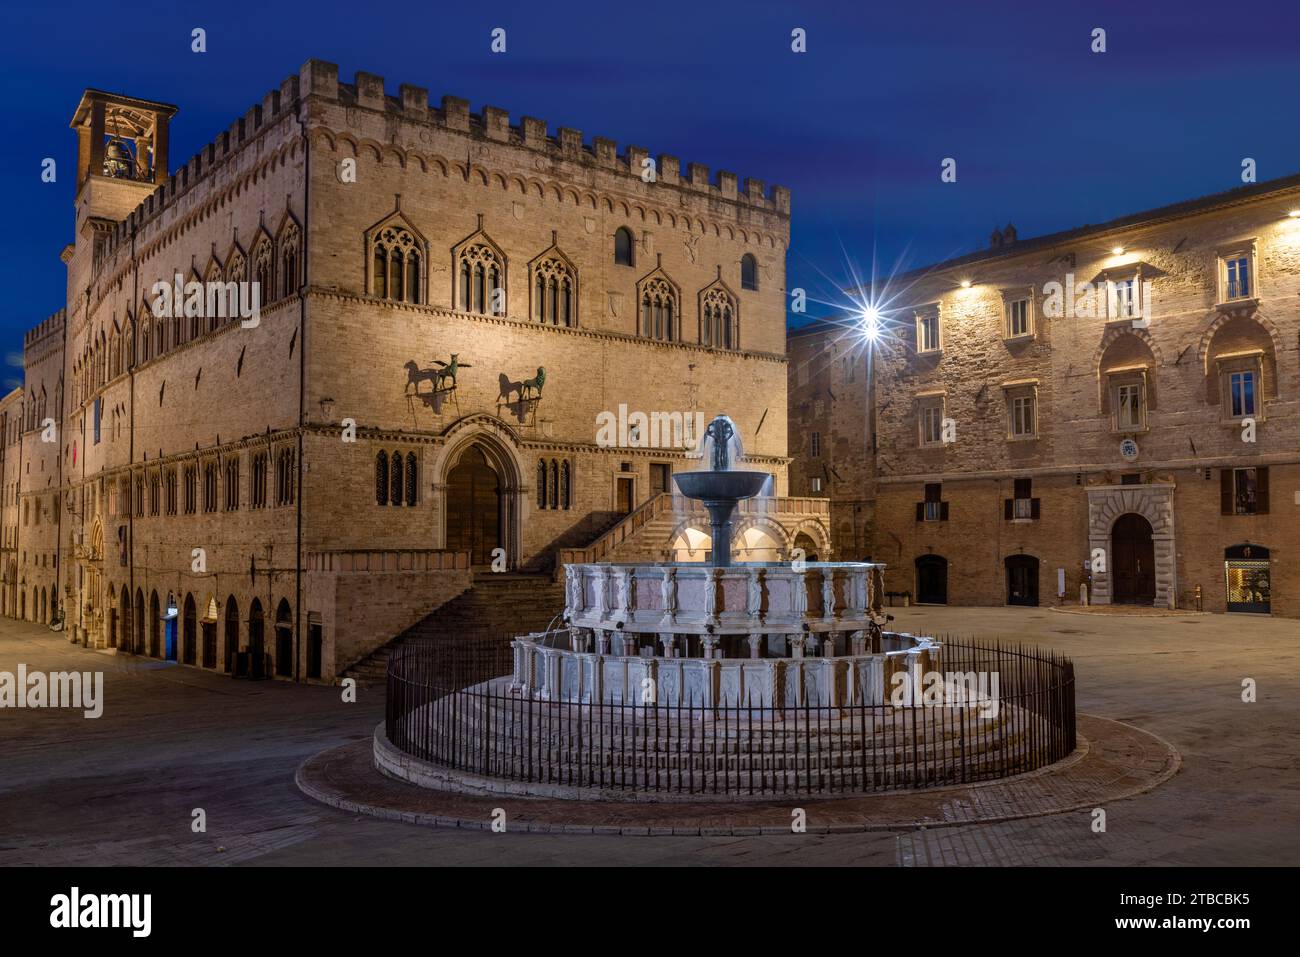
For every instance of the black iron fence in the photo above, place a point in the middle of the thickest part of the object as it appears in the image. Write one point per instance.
(993, 710)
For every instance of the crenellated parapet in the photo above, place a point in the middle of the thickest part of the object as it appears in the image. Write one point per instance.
(319, 80)
(42, 333)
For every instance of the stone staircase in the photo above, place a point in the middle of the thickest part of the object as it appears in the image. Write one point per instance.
(503, 605)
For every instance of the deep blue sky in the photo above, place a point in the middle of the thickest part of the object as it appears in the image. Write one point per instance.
(1046, 134)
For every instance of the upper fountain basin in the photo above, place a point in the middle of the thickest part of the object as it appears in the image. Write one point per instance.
(733, 484)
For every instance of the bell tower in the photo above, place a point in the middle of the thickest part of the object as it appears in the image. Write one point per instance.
(121, 152)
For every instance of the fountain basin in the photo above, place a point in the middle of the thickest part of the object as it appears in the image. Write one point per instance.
(720, 486)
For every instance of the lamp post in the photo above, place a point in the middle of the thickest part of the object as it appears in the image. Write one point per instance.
(870, 334)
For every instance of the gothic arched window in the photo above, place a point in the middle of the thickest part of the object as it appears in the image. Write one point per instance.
(748, 272)
(289, 259)
(412, 485)
(553, 489)
(718, 319)
(566, 486)
(264, 270)
(554, 292)
(659, 310)
(480, 274)
(396, 264)
(624, 248)
(395, 480)
(541, 483)
(381, 479)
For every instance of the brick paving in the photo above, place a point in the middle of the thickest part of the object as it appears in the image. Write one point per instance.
(120, 789)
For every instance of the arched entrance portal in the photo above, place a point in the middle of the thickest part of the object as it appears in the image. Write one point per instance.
(932, 580)
(808, 546)
(155, 626)
(1133, 560)
(190, 642)
(475, 507)
(128, 639)
(1022, 580)
(256, 641)
(232, 633)
(283, 639)
(139, 621)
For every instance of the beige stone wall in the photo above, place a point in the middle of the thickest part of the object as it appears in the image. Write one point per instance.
(827, 389)
(325, 350)
(1067, 361)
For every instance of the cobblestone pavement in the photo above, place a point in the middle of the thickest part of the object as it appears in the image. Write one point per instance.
(121, 789)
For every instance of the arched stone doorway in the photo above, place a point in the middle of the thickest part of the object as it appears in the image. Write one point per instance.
(1133, 560)
(1108, 505)
(1022, 580)
(690, 544)
(155, 626)
(480, 487)
(256, 640)
(139, 621)
(124, 609)
(932, 580)
(190, 640)
(232, 633)
(208, 630)
(476, 506)
(114, 616)
(808, 547)
(284, 639)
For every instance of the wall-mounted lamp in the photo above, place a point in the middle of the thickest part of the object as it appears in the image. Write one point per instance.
(1117, 251)
(965, 283)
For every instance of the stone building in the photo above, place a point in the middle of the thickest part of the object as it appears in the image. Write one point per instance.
(830, 435)
(447, 303)
(1115, 406)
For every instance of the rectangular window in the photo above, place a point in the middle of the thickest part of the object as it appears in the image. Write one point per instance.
(1237, 277)
(935, 510)
(815, 444)
(1022, 416)
(932, 424)
(1244, 491)
(816, 483)
(1241, 390)
(1017, 318)
(1130, 410)
(1125, 298)
(927, 332)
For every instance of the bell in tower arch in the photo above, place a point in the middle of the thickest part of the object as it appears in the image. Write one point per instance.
(118, 162)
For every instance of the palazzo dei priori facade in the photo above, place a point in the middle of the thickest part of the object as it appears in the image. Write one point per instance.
(447, 303)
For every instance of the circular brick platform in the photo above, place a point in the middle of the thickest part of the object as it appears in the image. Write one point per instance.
(1114, 761)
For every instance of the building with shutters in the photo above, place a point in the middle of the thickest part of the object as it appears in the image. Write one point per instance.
(1114, 406)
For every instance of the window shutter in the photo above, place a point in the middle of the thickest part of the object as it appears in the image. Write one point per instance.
(1261, 490)
(1007, 506)
(943, 511)
(1225, 492)
(920, 511)
(1033, 507)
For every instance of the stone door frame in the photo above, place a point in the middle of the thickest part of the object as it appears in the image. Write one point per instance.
(1155, 503)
